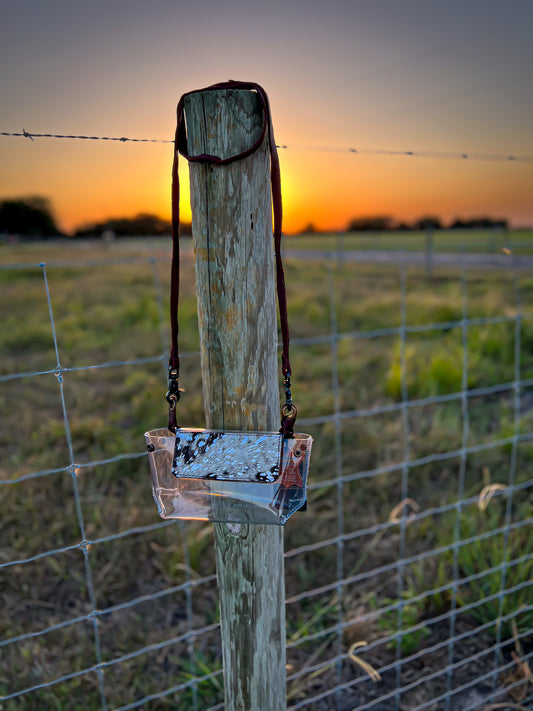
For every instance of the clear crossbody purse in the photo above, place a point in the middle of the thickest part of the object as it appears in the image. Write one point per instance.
(234, 477)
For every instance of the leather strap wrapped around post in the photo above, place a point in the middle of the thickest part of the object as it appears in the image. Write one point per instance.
(180, 146)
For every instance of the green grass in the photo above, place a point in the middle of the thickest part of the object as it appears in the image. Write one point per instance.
(481, 241)
(106, 312)
(412, 612)
(481, 555)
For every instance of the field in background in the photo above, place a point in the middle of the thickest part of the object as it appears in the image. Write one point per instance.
(373, 558)
(494, 241)
(482, 241)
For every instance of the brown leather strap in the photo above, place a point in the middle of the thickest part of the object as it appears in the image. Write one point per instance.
(180, 146)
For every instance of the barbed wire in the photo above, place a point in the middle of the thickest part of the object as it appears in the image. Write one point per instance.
(432, 154)
(119, 139)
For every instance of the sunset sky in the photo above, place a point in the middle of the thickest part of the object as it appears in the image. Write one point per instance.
(405, 75)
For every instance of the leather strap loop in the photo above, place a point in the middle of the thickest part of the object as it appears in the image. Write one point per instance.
(180, 146)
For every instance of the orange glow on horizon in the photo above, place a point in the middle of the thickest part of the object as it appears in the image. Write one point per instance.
(342, 79)
(326, 189)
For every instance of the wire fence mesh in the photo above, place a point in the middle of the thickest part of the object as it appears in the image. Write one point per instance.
(409, 581)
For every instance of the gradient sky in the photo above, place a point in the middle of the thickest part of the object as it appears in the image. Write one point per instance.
(419, 75)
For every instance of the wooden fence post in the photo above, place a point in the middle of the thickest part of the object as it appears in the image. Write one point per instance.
(235, 284)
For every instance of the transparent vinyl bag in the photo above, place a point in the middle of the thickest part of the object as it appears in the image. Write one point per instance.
(234, 477)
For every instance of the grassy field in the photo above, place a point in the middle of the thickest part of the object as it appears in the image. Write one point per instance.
(109, 306)
(481, 241)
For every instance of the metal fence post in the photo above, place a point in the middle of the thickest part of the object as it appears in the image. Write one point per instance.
(429, 251)
(235, 283)
(340, 249)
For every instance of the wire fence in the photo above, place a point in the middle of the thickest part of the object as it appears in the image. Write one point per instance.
(409, 583)
(447, 155)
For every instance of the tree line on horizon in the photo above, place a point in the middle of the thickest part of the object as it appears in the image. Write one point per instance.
(386, 223)
(34, 217)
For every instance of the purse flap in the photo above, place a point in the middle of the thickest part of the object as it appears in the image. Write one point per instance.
(233, 456)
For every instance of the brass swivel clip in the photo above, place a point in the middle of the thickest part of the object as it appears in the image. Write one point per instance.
(174, 390)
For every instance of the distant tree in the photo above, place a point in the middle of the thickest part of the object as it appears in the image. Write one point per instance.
(309, 229)
(30, 216)
(377, 223)
(458, 225)
(144, 225)
(428, 222)
(403, 227)
(479, 223)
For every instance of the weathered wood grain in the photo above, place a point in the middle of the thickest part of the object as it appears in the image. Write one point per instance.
(235, 282)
